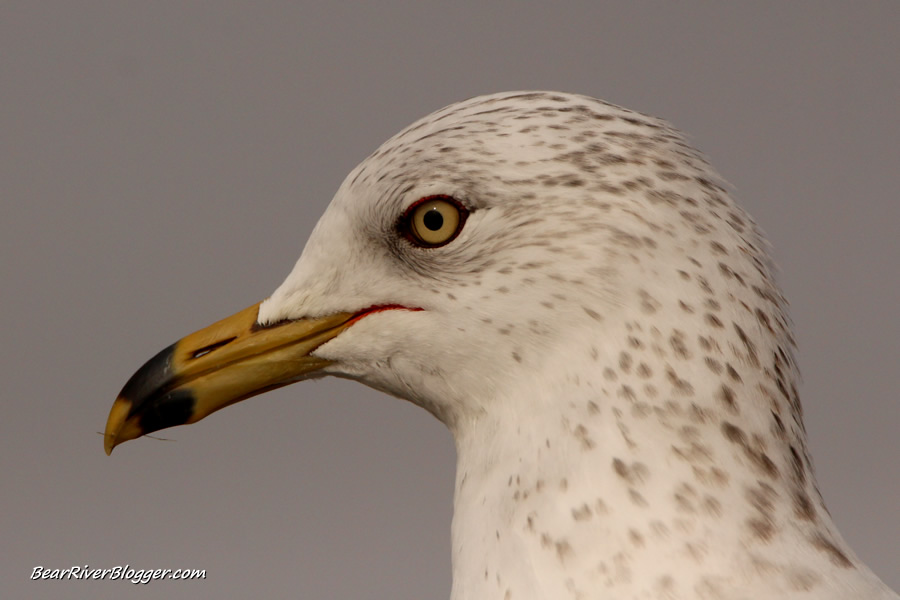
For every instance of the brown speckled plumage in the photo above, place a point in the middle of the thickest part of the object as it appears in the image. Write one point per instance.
(605, 339)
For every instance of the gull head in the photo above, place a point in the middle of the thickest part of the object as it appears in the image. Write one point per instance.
(569, 286)
(561, 217)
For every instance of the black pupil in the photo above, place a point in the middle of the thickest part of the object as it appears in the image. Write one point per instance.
(433, 220)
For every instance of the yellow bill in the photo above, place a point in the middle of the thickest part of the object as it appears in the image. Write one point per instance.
(230, 360)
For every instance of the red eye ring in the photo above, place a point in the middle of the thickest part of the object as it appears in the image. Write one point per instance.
(433, 221)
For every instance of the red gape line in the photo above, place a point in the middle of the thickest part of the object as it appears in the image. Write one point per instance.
(379, 308)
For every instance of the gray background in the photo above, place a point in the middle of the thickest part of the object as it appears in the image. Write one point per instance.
(162, 164)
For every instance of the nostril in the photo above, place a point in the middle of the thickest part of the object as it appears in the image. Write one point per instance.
(207, 349)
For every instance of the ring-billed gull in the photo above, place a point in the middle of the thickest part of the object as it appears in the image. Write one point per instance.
(569, 287)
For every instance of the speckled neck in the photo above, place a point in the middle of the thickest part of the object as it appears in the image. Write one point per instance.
(669, 461)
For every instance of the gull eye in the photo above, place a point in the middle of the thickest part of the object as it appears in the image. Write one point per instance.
(433, 221)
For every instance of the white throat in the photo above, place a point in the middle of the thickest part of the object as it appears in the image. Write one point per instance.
(624, 483)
